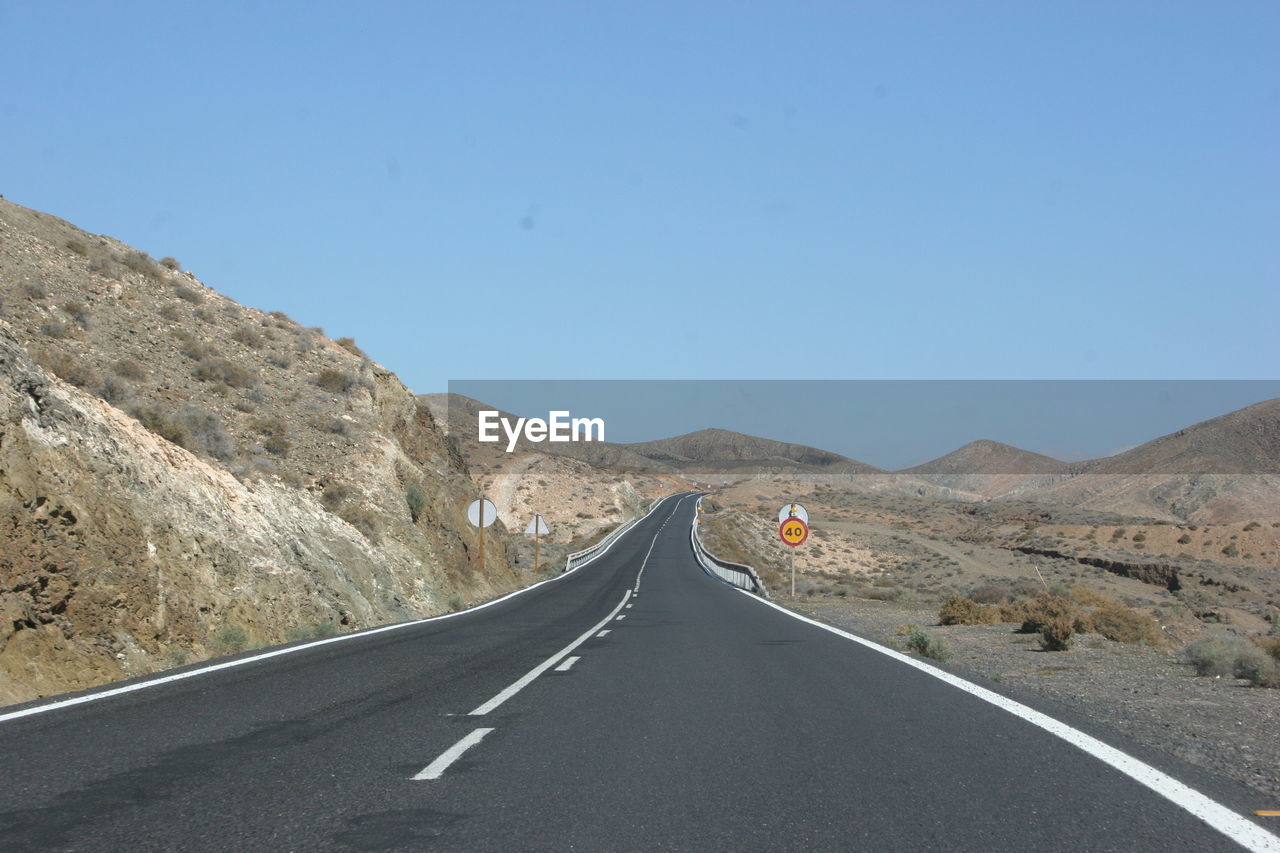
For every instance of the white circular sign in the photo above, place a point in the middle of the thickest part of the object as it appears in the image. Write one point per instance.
(490, 513)
(793, 511)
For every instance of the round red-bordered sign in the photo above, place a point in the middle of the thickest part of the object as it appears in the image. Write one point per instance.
(793, 531)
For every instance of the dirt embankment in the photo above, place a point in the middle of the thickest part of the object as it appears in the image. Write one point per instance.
(182, 476)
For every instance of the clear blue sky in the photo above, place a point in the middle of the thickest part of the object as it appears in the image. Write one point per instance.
(666, 190)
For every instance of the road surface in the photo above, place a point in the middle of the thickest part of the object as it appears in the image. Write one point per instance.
(636, 704)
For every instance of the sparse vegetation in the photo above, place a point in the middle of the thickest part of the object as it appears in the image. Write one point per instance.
(34, 290)
(927, 644)
(170, 264)
(56, 329)
(349, 344)
(129, 369)
(230, 639)
(141, 262)
(416, 500)
(335, 381)
(248, 336)
(211, 369)
(1235, 656)
(188, 294)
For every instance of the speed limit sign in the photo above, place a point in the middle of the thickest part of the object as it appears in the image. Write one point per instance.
(793, 531)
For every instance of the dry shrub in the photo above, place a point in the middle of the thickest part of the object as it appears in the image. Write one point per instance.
(1048, 609)
(958, 610)
(1057, 633)
(349, 344)
(335, 381)
(220, 370)
(248, 336)
(1115, 621)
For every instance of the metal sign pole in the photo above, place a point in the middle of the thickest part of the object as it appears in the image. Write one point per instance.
(481, 535)
(537, 539)
(793, 572)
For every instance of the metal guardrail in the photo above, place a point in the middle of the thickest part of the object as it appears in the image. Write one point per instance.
(580, 558)
(734, 574)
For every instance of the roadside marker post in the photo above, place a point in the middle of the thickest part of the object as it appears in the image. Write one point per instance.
(537, 527)
(481, 514)
(793, 529)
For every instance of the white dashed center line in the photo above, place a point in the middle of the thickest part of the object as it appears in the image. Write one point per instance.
(566, 663)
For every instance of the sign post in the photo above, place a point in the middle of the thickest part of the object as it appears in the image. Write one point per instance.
(793, 529)
(481, 514)
(537, 527)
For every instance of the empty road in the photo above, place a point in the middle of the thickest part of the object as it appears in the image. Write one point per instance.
(636, 704)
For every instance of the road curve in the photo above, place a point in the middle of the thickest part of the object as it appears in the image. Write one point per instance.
(637, 704)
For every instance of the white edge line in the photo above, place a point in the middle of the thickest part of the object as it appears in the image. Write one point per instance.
(566, 663)
(436, 769)
(1239, 829)
(524, 680)
(204, 670)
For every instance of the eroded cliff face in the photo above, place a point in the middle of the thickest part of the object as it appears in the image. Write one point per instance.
(249, 482)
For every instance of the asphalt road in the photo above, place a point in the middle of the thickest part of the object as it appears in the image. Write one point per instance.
(702, 720)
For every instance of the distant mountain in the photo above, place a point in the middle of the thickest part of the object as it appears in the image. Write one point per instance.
(1246, 441)
(719, 449)
(989, 457)
(1223, 469)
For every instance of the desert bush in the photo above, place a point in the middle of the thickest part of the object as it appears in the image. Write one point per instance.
(363, 520)
(129, 369)
(1231, 655)
(958, 610)
(416, 500)
(170, 313)
(281, 361)
(1048, 608)
(224, 371)
(230, 639)
(65, 366)
(248, 336)
(349, 344)
(34, 290)
(927, 644)
(1184, 539)
(337, 426)
(455, 603)
(187, 294)
(1231, 550)
(170, 264)
(1139, 537)
(141, 262)
(56, 329)
(115, 390)
(77, 246)
(205, 432)
(335, 495)
(1125, 625)
(335, 381)
(1057, 633)
(192, 348)
(269, 426)
(278, 445)
(160, 422)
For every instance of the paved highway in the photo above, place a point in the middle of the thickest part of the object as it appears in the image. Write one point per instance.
(636, 704)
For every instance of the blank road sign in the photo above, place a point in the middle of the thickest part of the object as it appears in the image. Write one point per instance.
(793, 511)
(490, 513)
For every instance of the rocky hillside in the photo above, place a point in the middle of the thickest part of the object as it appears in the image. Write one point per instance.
(182, 476)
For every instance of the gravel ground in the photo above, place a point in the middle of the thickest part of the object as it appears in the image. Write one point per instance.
(1220, 724)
